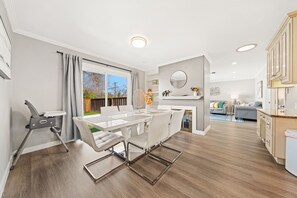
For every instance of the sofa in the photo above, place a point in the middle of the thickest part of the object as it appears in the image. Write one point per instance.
(219, 107)
(247, 111)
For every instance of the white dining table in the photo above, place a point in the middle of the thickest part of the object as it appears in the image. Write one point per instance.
(122, 121)
(118, 121)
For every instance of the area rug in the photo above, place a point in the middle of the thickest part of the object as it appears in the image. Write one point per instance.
(228, 118)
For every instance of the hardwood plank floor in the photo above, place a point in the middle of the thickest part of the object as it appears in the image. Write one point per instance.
(230, 161)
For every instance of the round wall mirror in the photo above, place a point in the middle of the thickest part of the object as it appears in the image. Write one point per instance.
(178, 79)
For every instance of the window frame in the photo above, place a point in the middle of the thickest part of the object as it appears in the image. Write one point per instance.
(102, 69)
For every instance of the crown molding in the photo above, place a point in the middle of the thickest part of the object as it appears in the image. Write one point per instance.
(10, 10)
(70, 47)
(187, 58)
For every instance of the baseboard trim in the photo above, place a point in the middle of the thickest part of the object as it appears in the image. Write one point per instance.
(41, 146)
(199, 132)
(5, 176)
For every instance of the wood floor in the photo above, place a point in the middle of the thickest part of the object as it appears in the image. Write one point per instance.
(230, 161)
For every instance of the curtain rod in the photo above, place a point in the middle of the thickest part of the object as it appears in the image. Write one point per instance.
(107, 65)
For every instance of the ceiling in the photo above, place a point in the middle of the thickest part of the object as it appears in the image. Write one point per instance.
(176, 30)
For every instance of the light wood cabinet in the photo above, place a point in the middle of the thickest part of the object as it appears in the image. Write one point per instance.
(271, 129)
(282, 55)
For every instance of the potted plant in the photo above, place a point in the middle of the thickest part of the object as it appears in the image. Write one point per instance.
(195, 90)
(88, 96)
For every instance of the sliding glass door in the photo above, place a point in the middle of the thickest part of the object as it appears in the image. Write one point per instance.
(104, 86)
(117, 90)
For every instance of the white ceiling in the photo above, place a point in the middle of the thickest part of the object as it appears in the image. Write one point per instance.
(176, 29)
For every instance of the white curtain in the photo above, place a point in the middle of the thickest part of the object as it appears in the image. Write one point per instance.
(72, 94)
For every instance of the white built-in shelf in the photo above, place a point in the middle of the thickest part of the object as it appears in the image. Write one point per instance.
(181, 97)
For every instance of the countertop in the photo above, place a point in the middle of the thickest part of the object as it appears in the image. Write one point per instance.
(288, 113)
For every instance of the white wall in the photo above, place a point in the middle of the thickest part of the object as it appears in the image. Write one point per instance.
(5, 115)
(38, 76)
(262, 76)
(244, 89)
(291, 101)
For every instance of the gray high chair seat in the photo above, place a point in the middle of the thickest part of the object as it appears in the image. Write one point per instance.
(38, 121)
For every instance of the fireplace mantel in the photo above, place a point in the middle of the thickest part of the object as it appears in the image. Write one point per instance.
(181, 97)
(194, 114)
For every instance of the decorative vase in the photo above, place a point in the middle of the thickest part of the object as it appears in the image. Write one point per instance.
(195, 93)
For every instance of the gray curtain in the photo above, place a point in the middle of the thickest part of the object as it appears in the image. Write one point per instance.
(72, 94)
(135, 84)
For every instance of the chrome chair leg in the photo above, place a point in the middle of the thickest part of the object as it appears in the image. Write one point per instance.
(97, 179)
(156, 158)
(170, 148)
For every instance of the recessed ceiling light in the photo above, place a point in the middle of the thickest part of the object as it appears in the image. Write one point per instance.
(234, 63)
(138, 42)
(234, 72)
(233, 77)
(246, 48)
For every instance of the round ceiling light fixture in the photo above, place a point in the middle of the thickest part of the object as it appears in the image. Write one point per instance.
(246, 48)
(138, 42)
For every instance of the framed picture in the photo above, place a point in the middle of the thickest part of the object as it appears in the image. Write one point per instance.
(5, 52)
(215, 91)
(260, 89)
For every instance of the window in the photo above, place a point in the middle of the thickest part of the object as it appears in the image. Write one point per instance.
(104, 86)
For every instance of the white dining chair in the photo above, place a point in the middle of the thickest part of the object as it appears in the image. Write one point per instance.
(157, 131)
(174, 127)
(109, 110)
(99, 141)
(126, 108)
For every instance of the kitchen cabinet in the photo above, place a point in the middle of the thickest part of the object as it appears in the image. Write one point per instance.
(271, 127)
(282, 55)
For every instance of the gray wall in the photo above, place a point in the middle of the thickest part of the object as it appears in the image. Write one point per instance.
(195, 69)
(5, 115)
(38, 76)
(245, 89)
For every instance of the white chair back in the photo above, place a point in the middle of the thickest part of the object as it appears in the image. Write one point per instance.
(109, 110)
(176, 121)
(126, 108)
(85, 132)
(158, 128)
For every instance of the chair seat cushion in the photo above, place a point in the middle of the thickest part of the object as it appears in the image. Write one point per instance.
(104, 140)
(140, 140)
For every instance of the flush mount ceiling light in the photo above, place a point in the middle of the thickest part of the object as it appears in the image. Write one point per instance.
(234, 63)
(138, 42)
(246, 48)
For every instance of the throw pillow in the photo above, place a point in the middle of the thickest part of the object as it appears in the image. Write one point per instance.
(216, 105)
(221, 104)
(211, 105)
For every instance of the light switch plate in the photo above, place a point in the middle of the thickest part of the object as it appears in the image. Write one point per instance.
(295, 105)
